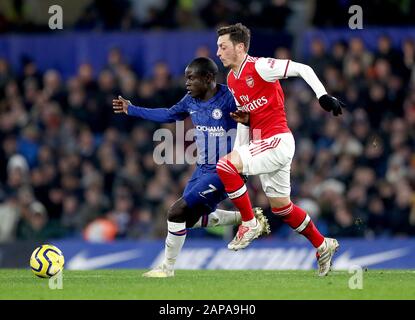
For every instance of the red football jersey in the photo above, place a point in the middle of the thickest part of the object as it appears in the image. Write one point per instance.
(263, 99)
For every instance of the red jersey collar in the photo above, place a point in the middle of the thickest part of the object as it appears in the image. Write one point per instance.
(237, 75)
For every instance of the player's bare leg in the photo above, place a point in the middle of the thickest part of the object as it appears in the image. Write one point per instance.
(301, 222)
(229, 169)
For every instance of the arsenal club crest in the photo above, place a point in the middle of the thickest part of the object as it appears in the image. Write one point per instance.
(250, 81)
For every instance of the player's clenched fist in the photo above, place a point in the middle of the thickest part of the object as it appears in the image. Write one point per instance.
(240, 116)
(120, 105)
(331, 104)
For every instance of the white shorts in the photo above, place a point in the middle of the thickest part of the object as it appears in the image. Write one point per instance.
(270, 159)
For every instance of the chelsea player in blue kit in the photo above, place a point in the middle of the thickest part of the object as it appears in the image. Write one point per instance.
(212, 109)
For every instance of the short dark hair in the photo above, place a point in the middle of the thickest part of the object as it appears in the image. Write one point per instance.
(204, 66)
(238, 33)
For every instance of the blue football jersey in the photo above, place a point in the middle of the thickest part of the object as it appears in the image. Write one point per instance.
(215, 130)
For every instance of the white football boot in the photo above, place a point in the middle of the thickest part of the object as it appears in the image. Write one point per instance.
(263, 220)
(161, 271)
(246, 235)
(325, 255)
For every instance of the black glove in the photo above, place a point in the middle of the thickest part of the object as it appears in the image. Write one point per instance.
(244, 177)
(331, 104)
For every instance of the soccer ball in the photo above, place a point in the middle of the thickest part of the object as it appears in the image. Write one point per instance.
(46, 261)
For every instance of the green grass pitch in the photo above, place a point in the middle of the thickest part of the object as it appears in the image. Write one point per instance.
(209, 285)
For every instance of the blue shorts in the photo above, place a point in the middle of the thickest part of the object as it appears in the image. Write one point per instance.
(204, 189)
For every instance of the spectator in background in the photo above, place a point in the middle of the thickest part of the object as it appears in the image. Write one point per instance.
(329, 14)
(88, 20)
(142, 225)
(387, 52)
(17, 174)
(30, 71)
(358, 53)
(121, 213)
(94, 206)
(274, 15)
(338, 53)
(282, 53)
(408, 51)
(86, 79)
(217, 12)
(9, 217)
(108, 15)
(35, 224)
(165, 87)
(344, 225)
(319, 58)
(70, 215)
(5, 73)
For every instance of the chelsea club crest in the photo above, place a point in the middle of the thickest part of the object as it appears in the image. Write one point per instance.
(217, 114)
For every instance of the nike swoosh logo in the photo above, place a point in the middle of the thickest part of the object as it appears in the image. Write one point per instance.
(81, 261)
(346, 261)
(191, 112)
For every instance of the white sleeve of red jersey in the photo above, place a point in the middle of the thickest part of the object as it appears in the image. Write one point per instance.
(242, 135)
(272, 70)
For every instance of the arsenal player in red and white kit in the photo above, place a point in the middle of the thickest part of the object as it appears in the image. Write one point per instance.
(265, 146)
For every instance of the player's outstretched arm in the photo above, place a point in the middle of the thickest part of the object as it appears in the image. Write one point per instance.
(274, 69)
(327, 102)
(177, 112)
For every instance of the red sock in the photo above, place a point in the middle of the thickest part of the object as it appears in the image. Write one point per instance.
(235, 187)
(300, 221)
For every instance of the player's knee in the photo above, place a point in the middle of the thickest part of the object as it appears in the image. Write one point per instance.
(220, 165)
(191, 221)
(177, 212)
(279, 202)
(224, 162)
(221, 161)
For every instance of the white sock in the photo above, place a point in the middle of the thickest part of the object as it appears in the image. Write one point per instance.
(176, 235)
(249, 223)
(219, 217)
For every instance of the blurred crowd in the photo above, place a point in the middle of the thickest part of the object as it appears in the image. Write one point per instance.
(126, 15)
(70, 167)
(173, 14)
